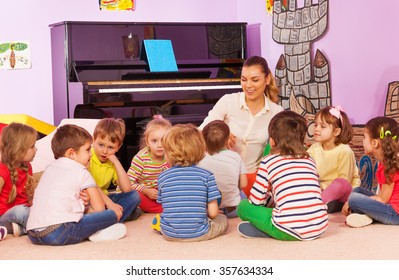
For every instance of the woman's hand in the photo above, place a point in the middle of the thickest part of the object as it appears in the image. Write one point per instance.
(231, 142)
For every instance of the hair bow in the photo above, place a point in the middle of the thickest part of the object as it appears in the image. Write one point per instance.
(158, 117)
(386, 133)
(336, 112)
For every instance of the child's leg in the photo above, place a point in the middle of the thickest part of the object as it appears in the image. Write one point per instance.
(128, 200)
(339, 189)
(261, 218)
(360, 202)
(72, 233)
(217, 227)
(17, 214)
(251, 180)
(149, 205)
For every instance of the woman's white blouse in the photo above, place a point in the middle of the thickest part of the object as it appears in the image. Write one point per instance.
(251, 130)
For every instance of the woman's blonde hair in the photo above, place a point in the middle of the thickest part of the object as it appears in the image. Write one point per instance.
(16, 139)
(157, 122)
(272, 90)
(184, 145)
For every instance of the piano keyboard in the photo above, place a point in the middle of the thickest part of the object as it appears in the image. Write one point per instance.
(173, 88)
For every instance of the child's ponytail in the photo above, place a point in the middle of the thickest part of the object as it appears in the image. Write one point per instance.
(389, 145)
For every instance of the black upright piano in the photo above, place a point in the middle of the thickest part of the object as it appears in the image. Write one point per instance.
(99, 70)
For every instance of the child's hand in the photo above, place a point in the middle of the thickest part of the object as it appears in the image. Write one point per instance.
(345, 209)
(151, 193)
(83, 195)
(113, 159)
(117, 209)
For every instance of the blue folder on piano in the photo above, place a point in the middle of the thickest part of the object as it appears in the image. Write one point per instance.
(159, 55)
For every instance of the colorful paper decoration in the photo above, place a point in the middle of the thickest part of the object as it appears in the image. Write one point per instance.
(120, 5)
(270, 3)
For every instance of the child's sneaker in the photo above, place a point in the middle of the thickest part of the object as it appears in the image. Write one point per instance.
(156, 223)
(17, 230)
(358, 220)
(334, 206)
(114, 232)
(247, 230)
(134, 215)
(3, 232)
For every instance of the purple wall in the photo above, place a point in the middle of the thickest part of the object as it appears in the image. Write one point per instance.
(30, 91)
(360, 44)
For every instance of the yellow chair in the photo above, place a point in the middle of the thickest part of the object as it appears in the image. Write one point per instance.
(40, 126)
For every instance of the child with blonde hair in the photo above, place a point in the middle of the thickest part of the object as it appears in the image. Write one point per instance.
(364, 206)
(188, 193)
(106, 168)
(17, 149)
(335, 160)
(226, 165)
(58, 215)
(285, 201)
(148, 163)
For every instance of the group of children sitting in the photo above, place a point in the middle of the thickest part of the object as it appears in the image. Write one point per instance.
(194, 182)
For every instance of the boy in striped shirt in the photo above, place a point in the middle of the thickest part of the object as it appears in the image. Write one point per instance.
(188, 193)
(285, 201)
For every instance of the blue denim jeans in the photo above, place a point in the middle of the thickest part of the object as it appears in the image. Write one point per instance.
(360, 202)
(233, 213)
(72, 232)
(17, 214)
(128, 200)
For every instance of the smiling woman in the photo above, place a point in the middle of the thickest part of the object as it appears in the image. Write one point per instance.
(248, 113)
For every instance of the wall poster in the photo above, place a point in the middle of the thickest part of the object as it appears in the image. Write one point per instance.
(15, 55)
(117, 5)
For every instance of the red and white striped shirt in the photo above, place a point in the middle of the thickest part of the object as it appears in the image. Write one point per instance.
(291, 186)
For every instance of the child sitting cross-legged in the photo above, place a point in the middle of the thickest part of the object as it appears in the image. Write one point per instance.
(285, 202)
(58, 215)
(148, 163)
(363, 206)
(227, 166)
(106, 169)
(188, 193)
(17, 149)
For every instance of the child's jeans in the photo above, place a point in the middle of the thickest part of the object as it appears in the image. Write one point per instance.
(339, 189)
(231, 212)
(128, 200)
(360, 202)
(72, 232)
(17, 214)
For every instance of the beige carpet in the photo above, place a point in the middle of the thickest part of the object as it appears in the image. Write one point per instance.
(142, 243)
